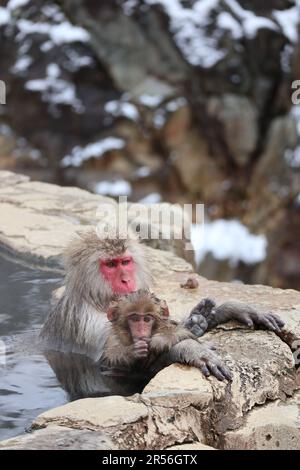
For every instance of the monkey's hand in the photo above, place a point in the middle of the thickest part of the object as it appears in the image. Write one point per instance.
(200, 317)
(210, 364)
(247, 315)
(140, 349)
(190, 352)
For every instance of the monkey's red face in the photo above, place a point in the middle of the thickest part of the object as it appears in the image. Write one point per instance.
(119, 273)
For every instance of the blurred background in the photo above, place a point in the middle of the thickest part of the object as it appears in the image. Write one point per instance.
(165, 100)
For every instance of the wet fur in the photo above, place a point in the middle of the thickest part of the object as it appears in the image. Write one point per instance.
(78, 321)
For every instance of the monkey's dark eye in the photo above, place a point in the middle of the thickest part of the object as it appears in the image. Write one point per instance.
(148, 318)
(111, 264)
(125, 262)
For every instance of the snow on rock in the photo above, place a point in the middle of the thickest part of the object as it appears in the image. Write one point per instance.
(22, 64)
(59, 34)
(128, 6)
(14, 4)
(4, 16)
(55, 90)
(250, 22)
(54, 13)
(289, 21)
(188, 26)
(143, 172)
(152, 101)
(292, 157)
(76, 61)
(173, 105)
(113, 188)
(122, 108)
(96, 149)
(228, 240)
(228, 22)
(152, 198)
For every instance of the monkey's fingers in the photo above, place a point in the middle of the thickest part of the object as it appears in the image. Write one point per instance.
(216, 372)
(267, 321)
(197, 324)
(141, 349)
(204, 307)
(216, 367)
(277, 320)
(198, 331)
(244, 319)
(141, 354)
(204, 369)
(226, 373)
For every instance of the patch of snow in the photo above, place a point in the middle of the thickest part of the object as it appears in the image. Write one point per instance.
(46, 46)
(13, 4)
(289, 22)
(143, 172)
(250, 22)
(24, 47)
(159, 119)
(76, 61)
(54, 90)
(4, 16)
(173, 105)
(113, 188)
(286, 58)
(22, 64)
(128, 6)
(188, 26)
(152, 198)
(6, 130)
(66, 33)
(121, 108)
(228, 240)
(35, 154)
(62, 33)
(96, 149)
(292, 157)
(53, 71)
(226, 21)
(252, 25)
(152, 101)
(54, 13)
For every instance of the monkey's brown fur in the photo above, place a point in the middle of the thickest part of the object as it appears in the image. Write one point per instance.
(118, 349)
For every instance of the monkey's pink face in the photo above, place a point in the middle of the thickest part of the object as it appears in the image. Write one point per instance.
(141, 325)
(119, 273)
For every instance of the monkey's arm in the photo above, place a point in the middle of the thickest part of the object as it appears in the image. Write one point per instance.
(192, 353)
(206, 316)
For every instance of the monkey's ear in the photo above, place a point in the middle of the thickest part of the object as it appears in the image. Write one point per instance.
(112, 313)
(164, 309)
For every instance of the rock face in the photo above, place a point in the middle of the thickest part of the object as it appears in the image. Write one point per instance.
(275, 427)
(179, 407)
(190, 101)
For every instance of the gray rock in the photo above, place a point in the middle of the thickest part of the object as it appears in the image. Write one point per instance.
(59, 438)
(38, 219)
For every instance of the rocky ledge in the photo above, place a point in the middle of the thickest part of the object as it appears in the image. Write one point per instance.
(179, 408)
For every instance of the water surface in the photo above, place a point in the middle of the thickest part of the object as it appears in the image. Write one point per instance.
(28, 386)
